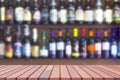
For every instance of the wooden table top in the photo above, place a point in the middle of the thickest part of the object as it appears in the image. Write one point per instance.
(60, 72)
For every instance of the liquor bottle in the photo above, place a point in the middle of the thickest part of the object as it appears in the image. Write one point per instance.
(8, 45)
(113, 49)
(118, 43)
(52, 45)
(116, 12)
(68, 45)
(19, 12)
(98, 45)
(45, 12)
(53, 12)
(35, 44)
(108, 13)
(62, 15)
(71, 12)
(89, 13)
(105, 45)
(99, 14)
(18, 43)
(10, 12)
(60, 45)
(44, 47)
(83, 44)
(2, 12)
(75, 44)
(27, 12)
(26, 42)
(80, 14)
(91, 45)
(2, 44)
(36, 13)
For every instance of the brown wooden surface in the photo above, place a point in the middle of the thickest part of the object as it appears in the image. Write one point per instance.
(93, 74)
(37, 73)
(55, 74)
(60, 72)
(82, 73)
(17, 74)
(73, 74)
(59, 62)
(104, 75)
(117, 77)
(64, 74)
(28, 73)
(3, 76)
(46, 73)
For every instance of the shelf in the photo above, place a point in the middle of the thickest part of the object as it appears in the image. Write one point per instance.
(59, 62)
(70, 26)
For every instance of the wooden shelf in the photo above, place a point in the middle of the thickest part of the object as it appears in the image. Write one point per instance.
(60, 26)
(59, 62)
(69, 26)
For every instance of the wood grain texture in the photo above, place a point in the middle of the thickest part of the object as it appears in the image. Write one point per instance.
(46, 74)
(116, 76)
(15, 75)
(104, 75)
(10, 68)
(17, 69)
(73, 74)
(60, 72)
(112, 69)
(93, 74)
(82, 73)
(36, 74)
(55, 74)
(64, 75)
(28, 73)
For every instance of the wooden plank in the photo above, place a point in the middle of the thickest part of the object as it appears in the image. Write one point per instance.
(46, 74)
(8, 69)
(112, 65)
(15, 75)
(94, 75)
(117, 67)
(36, 74)
(110, 69)
(106, 76)
(117, 77)
(17, 69)
(82, 73)
(60, 72)
(73, 74)
(4, 65)
(64, 73)
(28, 73)
(3, 68)
(55, 74)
